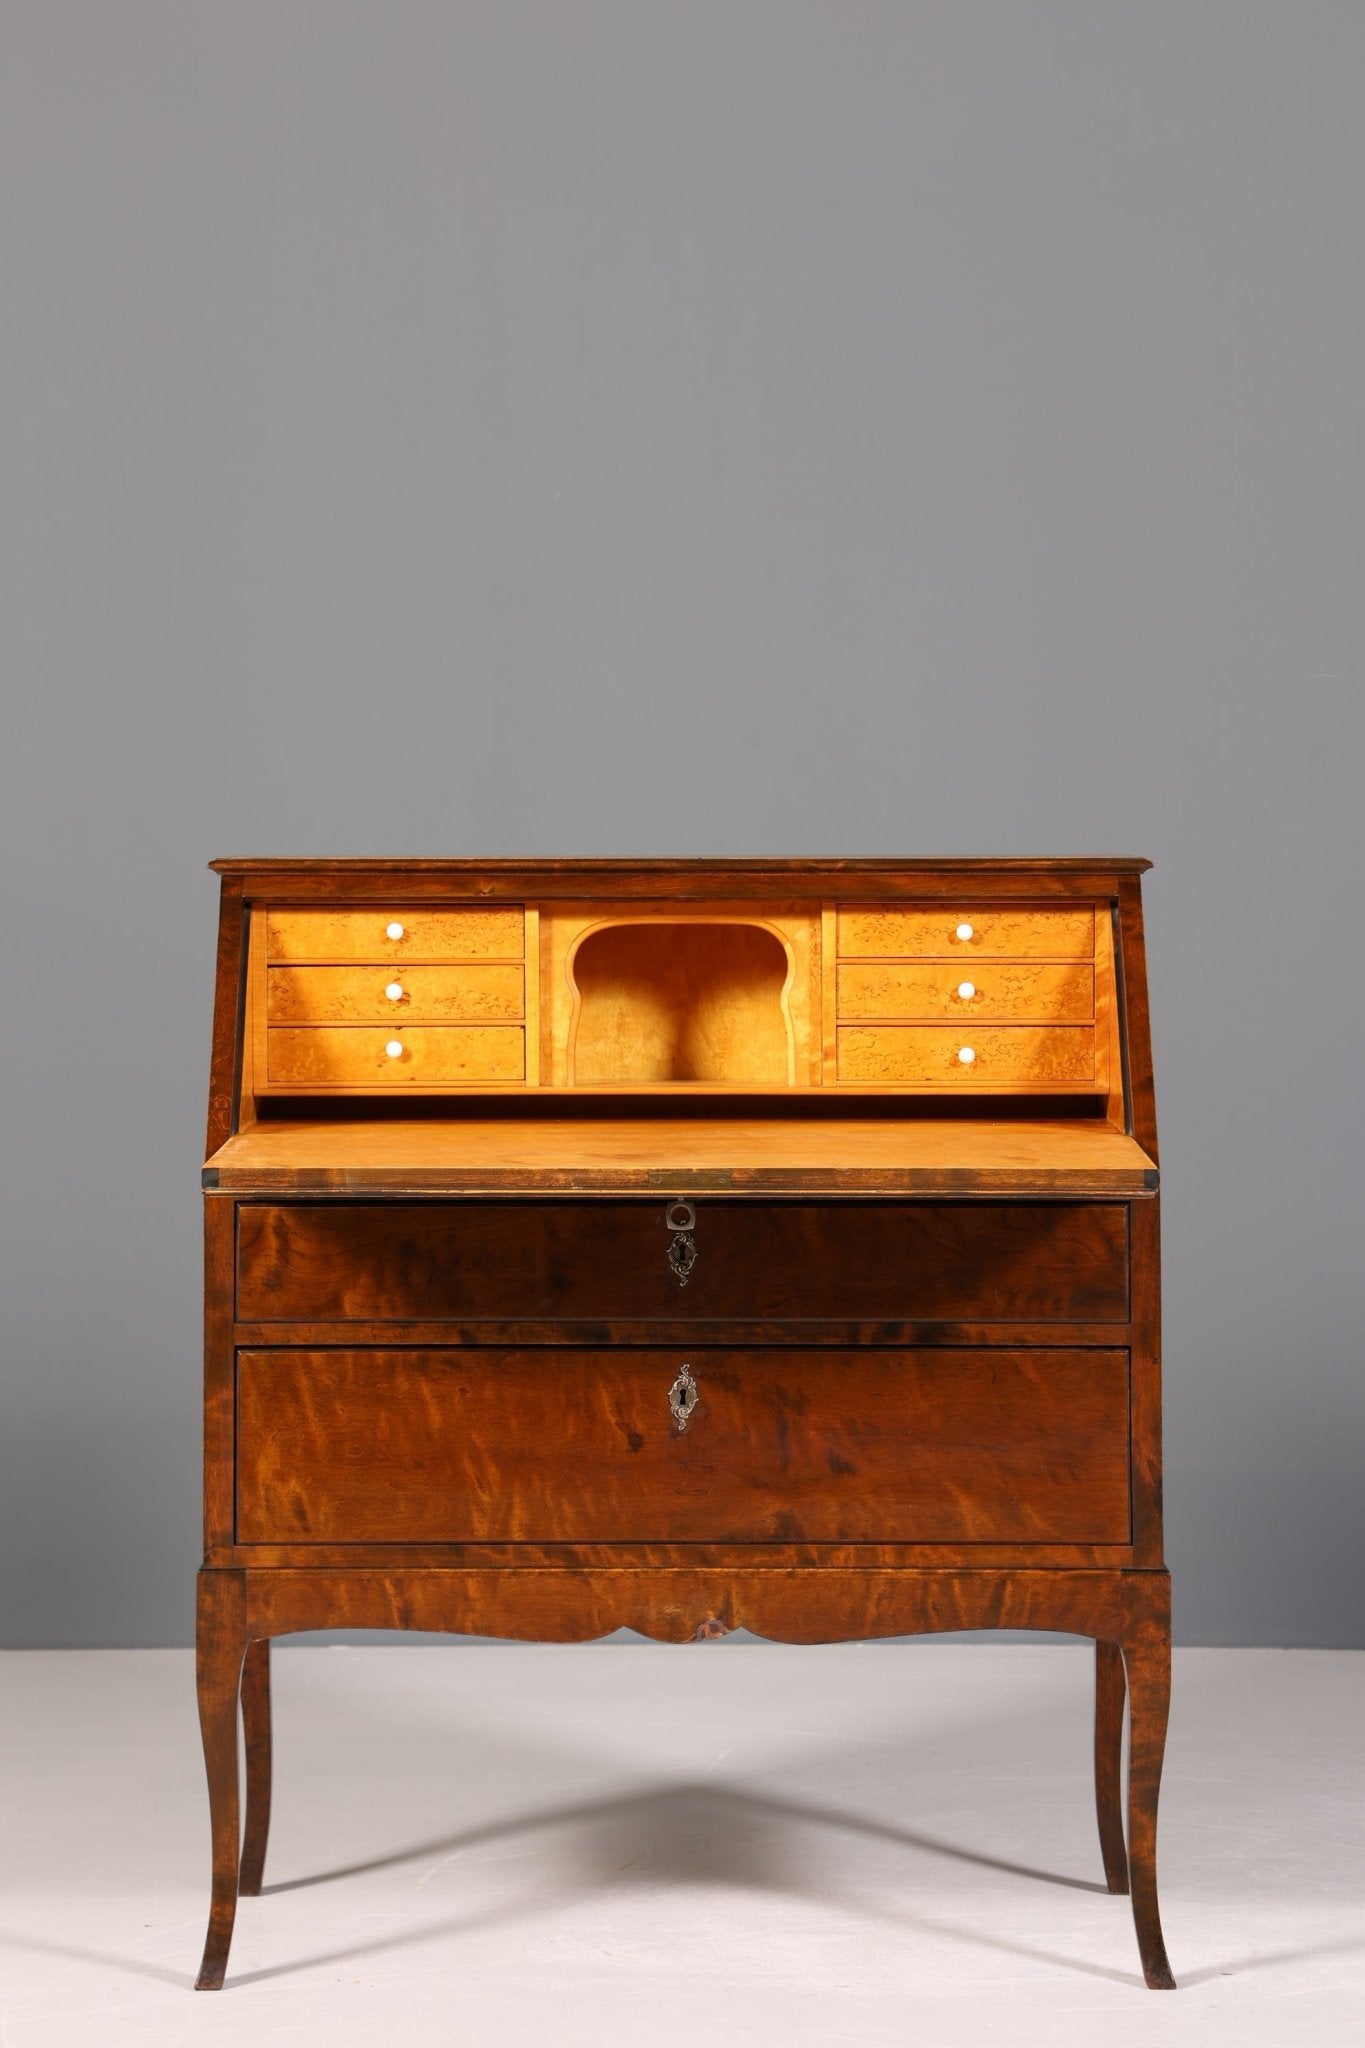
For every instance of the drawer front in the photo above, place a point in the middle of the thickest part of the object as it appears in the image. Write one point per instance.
(966, 1055)
(1032, 992)
(395, 933)
(896, 1261)
(481, 1445)
(961, 933)
(362, 995)
(321, 1056)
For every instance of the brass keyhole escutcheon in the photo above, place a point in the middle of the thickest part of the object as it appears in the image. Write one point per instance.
(681, 1219)
(683, 1398)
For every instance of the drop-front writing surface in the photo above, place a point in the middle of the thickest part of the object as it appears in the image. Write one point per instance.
(683, 1245)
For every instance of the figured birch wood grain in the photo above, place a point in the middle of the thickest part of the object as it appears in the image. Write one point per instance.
(1031, 991)
(429, 933)
(483, 1444)
(359, 995)
(354, 1055)
(1052, 1053)
(1002, 930)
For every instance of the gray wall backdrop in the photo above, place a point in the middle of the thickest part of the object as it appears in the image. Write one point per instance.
(737, 428)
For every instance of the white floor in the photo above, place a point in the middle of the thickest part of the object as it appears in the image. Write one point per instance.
(717, 1846)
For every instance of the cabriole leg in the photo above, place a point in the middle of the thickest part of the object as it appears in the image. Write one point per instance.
(256, 1726)
(1148, 1662)
(220, 1646)
(1110, 1697)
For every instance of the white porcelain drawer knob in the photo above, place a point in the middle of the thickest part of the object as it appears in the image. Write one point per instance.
(966, 989)
(394, 1048)
(394, 991)
(394, 930)
(966, 1055)
(964, 931)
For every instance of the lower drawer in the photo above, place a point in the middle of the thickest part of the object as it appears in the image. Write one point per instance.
(876, 1446)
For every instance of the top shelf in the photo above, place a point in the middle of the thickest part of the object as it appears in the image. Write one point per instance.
(350, 864)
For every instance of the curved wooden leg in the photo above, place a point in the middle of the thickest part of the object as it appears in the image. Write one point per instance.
(1110, 1698)
(220, 1646)
(1148, 1662)
(256, 1727)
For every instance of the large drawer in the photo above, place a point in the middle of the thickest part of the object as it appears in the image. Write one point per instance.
(877, 1446)
(599, 1260)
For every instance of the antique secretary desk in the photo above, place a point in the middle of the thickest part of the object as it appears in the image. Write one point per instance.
(689, 1245)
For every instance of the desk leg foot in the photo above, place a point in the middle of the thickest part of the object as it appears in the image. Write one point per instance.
(256, 1727)
(1148, 1663)
(1110, 1699)
(220, 1647)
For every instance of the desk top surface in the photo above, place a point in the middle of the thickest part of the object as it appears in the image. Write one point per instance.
(738, 1155)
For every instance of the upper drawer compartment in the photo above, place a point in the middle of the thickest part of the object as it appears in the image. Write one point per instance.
(365, 995)
(755, 1261)
(396, 934)
(885, 931)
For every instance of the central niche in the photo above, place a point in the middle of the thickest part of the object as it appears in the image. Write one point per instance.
(671, 1002)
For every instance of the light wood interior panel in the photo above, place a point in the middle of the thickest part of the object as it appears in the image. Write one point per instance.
(682, 1002)
(710, 998)
(688, 997)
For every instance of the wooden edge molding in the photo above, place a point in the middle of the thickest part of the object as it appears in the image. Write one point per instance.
(789, 1604)
(1124, 863)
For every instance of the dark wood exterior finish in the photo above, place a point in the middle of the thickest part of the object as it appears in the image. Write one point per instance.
(756, 1262)
(919, 1359)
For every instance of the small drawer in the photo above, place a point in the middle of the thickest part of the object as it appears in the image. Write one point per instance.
(994, 1056)
(884, 931)
(556, 1261)
(532, 1446)
(355, 1055)
(395, 934)
(362, 995)
(1031, 991)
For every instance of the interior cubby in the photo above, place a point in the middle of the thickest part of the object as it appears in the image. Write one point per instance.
(668, 1002)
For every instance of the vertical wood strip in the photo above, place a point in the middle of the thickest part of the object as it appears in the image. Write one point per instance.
(1133, 953)
(1144, 1251)
(829, 994)
(227, 1008)
(531, 998)
(220, 1213)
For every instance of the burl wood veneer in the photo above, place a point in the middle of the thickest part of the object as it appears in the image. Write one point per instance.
(690, 1246)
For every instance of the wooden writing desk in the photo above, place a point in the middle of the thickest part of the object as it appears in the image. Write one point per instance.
(684, 1245)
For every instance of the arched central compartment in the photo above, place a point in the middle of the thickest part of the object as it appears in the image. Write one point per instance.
(672, 1002)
